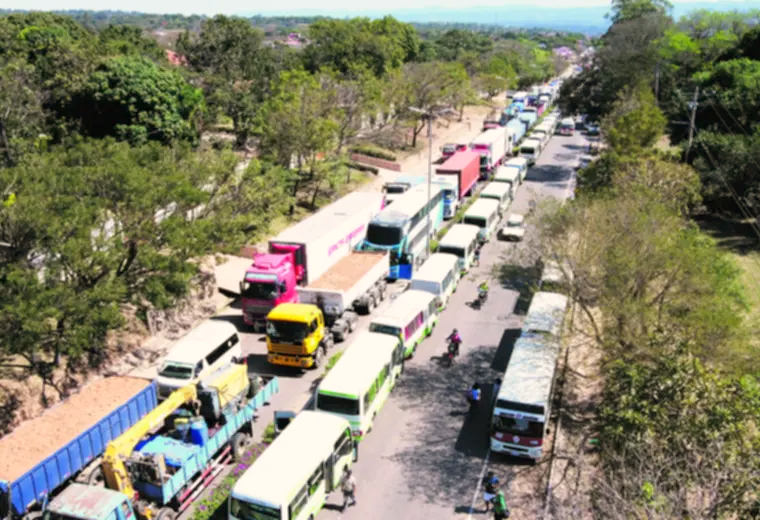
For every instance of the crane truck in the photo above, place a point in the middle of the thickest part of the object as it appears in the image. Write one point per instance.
(161, 464)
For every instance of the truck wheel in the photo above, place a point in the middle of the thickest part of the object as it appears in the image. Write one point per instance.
(339, 335)
(238, 444)
(166, 514)
(318, 357)
(96, 477)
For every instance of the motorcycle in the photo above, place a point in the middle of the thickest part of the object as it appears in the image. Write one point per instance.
(451, 352)
(482, 297)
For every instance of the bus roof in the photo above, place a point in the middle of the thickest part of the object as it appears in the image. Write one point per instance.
(291, 459)
(406, 304)
(298, 312)
(189, 347)
(460, 235)
(528, 378)
(495, 190)
(530, 142)
(546, 313)
(482, 208)
(436, 267)
(516, 162)
(504, 173)
(360, 364)
(326, 219)
(406, 206)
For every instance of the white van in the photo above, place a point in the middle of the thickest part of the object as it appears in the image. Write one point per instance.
(508, 175)
(484, 213)
(500, 192)
(439, 275)
(539, 136)
(551, 122)
(567, 126)
(205, 349)
(530, 150)
(521, 164)
(461, 241)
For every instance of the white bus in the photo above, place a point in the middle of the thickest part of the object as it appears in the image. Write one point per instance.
(483, 213)
(402, 229)
(521, 164)
(410, 318)
(567, 126)
(292, 478)
(501, 192)
(554, 278)
(439, 276)
(357, 387)
(462, 241)
(523, 404)
(508, 175)
(530, 149)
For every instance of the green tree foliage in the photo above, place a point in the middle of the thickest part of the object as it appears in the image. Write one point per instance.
(625, 10)
(135, 99)
(635, 123)
(454, 44)
(117, 40)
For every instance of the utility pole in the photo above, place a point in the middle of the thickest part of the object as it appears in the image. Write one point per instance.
(693, 106)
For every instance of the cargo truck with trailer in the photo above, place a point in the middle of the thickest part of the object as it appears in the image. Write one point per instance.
(463, 169)
(46, 455)
(492, 147)
(304, 252)
(356, 284)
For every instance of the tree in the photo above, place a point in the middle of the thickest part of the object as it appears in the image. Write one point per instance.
(625, 10)
(119, 40)
(22, 114)
(634, 123)
(133, 98)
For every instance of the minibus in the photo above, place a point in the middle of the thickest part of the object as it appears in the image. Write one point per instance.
(521, 164)
(500, 192)
(483, 213)
(293, 477)
(530, 150)
(205, 349)
(439, 276)
(462, 241)
(508, 175)
(567, 126)
(539, 136)
(357, 387)
(410, 318)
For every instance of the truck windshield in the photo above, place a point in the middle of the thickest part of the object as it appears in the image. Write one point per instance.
(287, 331)
(259, 290)
(396, 188)
(240, 510)
(449, 195)
(452, 249)
(383, 235)
(339, 405)
(174, 370)
(385, 329)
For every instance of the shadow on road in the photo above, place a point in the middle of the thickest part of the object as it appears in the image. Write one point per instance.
(520, 278)
(549, 173)
(235, 319)
(504, 350)
(575, 147)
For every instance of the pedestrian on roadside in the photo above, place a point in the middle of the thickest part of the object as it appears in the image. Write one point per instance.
(477, 254)
(490, 481)
(500, 509)
(348, 486)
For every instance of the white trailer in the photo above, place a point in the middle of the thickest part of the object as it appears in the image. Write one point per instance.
(498, 141)
(321, 240)
(357, 283)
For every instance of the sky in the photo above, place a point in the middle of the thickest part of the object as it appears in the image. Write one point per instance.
(205, 7)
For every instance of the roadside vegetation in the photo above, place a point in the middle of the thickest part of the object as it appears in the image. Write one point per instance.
(120, 169)
(668, 307)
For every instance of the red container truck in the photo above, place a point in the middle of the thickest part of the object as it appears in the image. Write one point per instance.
(466, 167)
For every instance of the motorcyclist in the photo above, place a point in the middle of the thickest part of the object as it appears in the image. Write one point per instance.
(483, 288)
(454, 340)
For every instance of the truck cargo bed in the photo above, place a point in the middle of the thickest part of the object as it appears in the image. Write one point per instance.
(348, 271)
(44, 452)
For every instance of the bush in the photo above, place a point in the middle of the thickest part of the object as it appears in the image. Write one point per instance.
(362, 167)
(372, 151)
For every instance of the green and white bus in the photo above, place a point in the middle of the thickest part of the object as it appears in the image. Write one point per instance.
(483, 213)
(292, 478)
(357, 387)
(439, 276)
(410, 317)
(461, 241)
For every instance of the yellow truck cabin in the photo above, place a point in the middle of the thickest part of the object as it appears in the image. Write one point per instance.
(296, 336)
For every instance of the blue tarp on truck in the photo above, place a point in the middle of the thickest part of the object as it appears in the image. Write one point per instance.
(65, 461)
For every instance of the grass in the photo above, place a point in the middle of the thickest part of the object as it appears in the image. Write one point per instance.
(750, 277)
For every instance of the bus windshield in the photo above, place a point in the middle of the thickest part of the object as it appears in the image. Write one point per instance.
(385, 329)
(383, 235)
(476, 221)
(452, 249)
(522, 427)
(240, 510)
(527, 149)
(287, 331)
(338, 405)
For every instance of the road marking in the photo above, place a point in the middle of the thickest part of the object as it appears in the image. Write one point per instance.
(480, 481)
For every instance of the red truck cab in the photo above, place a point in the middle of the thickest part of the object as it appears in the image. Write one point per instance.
(270, 281)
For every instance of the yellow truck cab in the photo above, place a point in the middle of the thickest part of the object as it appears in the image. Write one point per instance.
(296, 336)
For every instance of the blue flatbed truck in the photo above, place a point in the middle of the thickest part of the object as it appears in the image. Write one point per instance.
(24, 493)
(169, 487)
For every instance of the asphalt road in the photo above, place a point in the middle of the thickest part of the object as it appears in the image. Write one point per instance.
(422, 459)
(425, 457)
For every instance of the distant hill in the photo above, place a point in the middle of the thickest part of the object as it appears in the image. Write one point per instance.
(590, 20)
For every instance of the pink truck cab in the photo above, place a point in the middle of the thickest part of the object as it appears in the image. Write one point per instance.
(268, 282)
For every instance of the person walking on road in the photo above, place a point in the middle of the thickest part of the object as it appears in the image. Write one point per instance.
(348, 486)
(490, 481)
(500, 509)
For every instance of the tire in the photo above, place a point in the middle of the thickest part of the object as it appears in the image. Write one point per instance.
(351, 326)
(319, 356)
(339, 336)
(96, 477)
(166, 514)
(238, 444)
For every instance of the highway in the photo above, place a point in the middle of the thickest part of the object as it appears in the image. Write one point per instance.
(422, 459)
